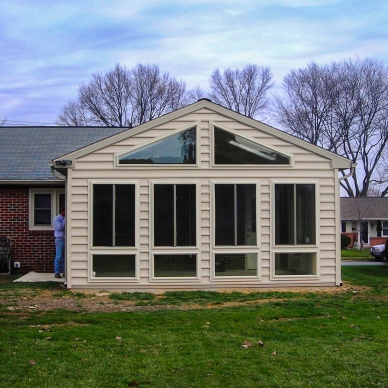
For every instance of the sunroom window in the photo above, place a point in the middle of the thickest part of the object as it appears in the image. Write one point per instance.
(175, 265)
(295, 214)
(235, 214)
(179, 148)
(235, 264)
(113, 215)
(296, 263)
(175, 215)
(110, 265)
(230, 148)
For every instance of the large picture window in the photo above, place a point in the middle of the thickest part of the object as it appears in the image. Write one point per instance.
(295, 218)
(175, 221)
(235, 214)
(113, 215)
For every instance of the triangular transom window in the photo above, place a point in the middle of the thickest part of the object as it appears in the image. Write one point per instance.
(230, 148)
(179, 148)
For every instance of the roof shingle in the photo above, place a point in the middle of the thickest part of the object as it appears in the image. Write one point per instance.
(25, 151)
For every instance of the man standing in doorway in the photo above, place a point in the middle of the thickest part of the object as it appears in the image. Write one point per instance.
(59, 234)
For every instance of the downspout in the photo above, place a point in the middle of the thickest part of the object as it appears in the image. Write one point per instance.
(350, 173)
(62, 178)
(338, 271)
(57, 174)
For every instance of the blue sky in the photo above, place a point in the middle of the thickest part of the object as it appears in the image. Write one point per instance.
(48, 48)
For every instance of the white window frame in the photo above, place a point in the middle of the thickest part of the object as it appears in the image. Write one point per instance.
(310, 248)
(164, 250)
(244, 166)
(117, 250)
(195, 124)
(174, 279)
(234, 249)
(54, 192)
(382, 228)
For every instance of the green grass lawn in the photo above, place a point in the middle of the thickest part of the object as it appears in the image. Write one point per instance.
(356, 254)
(311, 339)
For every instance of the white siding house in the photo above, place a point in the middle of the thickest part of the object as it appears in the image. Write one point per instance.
(202, 198)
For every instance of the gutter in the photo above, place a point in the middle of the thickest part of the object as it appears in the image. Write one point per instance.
(350, 173)
(57, 174)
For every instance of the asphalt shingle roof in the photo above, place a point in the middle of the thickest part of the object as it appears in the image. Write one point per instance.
(25, 151)
(367, 208)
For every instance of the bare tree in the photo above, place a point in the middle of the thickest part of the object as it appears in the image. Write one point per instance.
(342, 107)
(194, 95)
(305, 107)
(124, 98)
(244, 91)
(72, 114)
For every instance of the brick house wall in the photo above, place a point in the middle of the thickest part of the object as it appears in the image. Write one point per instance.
(34, 249)
(378, 240)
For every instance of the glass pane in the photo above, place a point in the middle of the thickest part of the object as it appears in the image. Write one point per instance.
(42, 209)
(284, 214)
(125, 215)
(186, 215)
(234, 149)
(62, 200)
(102, 215)
(164, 215)
(246, 214)
(305, 214)
(178, 266)
(42, 216)
(295, 264)
(114, 266)
(385, 228)
(224, 212)
(176, 149)
(42, 201)
(236, 264)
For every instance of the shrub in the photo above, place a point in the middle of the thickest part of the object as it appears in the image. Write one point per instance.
(345, 241)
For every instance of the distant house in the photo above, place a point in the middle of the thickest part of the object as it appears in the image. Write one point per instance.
(367, 216)
(30, 195)
(201, 198)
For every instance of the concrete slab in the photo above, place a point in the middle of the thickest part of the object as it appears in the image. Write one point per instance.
(39, 277)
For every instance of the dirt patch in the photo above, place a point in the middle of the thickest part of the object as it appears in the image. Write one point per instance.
(48, 300)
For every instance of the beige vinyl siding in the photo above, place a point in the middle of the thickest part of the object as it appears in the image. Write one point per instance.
(100, 165)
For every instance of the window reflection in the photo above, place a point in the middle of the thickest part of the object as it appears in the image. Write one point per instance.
(176, 149)
(234, 149)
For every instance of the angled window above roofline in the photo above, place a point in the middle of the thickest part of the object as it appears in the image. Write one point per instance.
(244, 143)
(189, 151)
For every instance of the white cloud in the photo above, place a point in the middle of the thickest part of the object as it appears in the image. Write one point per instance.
(50, 48)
